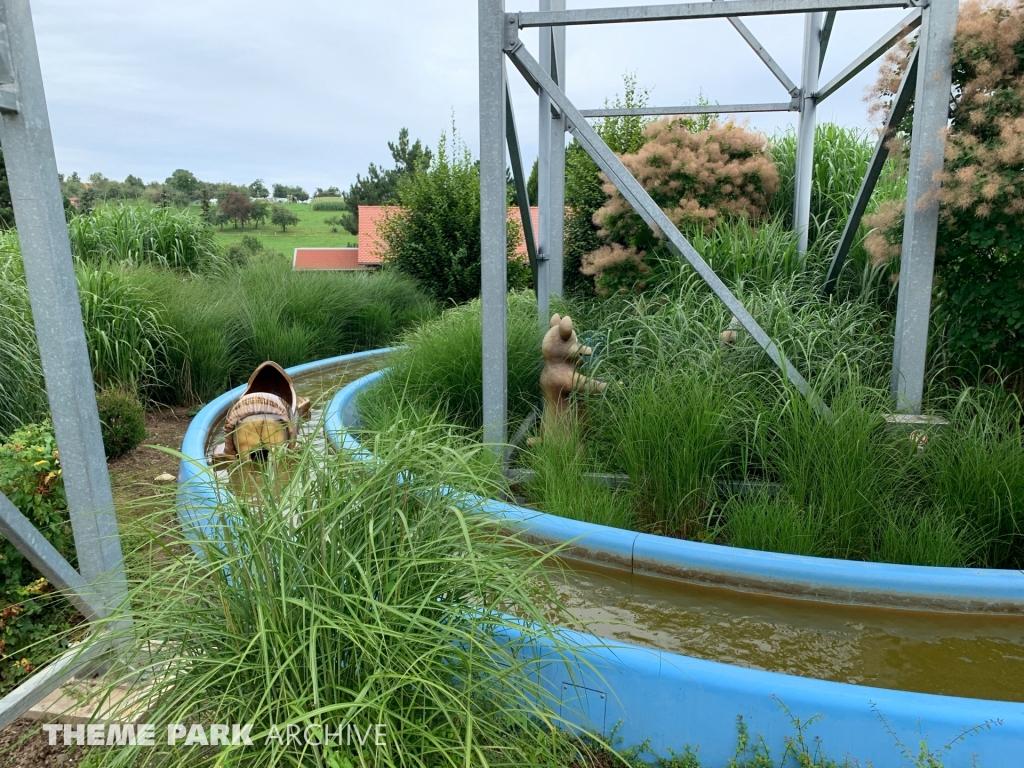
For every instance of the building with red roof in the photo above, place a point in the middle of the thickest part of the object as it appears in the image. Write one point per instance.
(371, 250)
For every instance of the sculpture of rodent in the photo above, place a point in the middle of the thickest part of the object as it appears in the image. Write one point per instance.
(563, 354)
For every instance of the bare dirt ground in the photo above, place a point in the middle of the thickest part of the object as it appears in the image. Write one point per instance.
(132, 476)
(136, 497)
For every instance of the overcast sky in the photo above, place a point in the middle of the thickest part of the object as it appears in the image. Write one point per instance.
(309, 92)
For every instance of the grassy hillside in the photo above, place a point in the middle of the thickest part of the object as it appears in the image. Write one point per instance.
(310, 232)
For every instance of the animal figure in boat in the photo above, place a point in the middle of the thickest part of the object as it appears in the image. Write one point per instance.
(266, 416)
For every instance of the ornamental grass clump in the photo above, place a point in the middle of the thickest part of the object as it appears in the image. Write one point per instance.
(350, 592)
(698, 177)
(132, 235)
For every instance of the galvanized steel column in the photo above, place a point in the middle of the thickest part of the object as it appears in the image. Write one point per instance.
(550, 166)
(57, 314)
(927, 147)
(493, 215)
(805, 133)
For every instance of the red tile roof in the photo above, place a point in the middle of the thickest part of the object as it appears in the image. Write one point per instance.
(372, 248)
(516, 216)
(326, 258)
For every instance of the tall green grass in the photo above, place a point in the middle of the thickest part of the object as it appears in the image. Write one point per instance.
(180, 339)
(720, 448)
(124, 329)
(22, 393)
(342, 596)
(841, 157)
(231, 322)
(441, 367)
(134, 234)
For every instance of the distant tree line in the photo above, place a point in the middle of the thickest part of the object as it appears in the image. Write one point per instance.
(179, 189)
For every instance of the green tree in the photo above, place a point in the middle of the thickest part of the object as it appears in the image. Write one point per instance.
(258, 189)
(533, 183)
(349, 222)
(282, 217)
(236, 207)
(380, 186)
(184, 182)
(435, 236)
(259, 211)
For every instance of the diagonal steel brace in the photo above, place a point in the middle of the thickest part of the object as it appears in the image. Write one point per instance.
(649, 211)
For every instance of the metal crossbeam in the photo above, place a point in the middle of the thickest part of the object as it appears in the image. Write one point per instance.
(763, 54)
(867, 186)
(27, 539)
(57, 314)
(649, 211)
(710, 9)
(519, 180)
(907, 24)
(826, 36)
(700, 109)
(100, 588)
(49, 678)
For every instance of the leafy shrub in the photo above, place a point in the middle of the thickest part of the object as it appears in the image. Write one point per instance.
(30, 477)
(434, 237)
(328, 204)
(122, 419)
(132, 235)
(980, 250)
(696, 177)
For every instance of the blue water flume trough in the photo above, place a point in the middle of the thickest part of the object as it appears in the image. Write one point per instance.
(671, 700)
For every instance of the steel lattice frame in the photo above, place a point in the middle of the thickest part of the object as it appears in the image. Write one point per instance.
(99, 587)
(499, 38)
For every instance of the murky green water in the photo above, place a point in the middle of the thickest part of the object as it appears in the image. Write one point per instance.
(973, 655)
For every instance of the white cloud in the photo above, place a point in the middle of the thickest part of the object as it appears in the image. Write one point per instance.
(311, 92)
